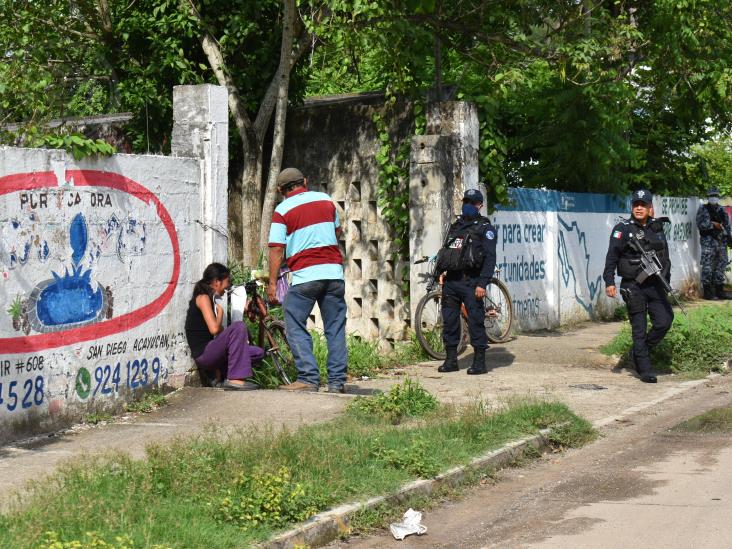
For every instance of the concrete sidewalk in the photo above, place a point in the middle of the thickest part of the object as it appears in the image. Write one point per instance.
(563, 366)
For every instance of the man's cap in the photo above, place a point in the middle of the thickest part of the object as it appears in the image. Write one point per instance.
(643, 195)
(713, 191)
(289, 175)
(474, 196)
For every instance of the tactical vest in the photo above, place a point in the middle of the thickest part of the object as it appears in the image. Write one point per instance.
(629, 264)
(463, 248)
(716, 213)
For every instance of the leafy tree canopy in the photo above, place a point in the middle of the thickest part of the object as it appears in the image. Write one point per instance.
(577, 95)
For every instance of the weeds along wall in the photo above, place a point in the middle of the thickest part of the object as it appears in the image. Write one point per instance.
(97, 263)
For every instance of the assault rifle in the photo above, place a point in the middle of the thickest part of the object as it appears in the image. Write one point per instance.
(651, 266)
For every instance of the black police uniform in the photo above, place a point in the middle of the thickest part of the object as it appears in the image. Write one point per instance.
(649, 296)
(460, 287)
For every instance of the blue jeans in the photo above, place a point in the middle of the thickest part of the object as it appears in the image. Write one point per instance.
(299, 303)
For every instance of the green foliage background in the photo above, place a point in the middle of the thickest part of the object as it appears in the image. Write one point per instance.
(575, 95)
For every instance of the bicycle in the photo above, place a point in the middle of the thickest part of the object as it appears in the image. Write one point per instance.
(428, 315)
(270, 333)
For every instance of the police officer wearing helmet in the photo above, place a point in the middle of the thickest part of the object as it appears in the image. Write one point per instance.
(469, 259)
(649, 296)
(715, 236)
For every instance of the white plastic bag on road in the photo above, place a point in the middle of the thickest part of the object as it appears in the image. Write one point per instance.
(411, 524)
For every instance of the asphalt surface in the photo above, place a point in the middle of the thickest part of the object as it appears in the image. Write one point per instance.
(640, 485)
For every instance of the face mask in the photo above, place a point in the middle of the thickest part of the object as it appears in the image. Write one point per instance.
(470, 210)
(714, 200)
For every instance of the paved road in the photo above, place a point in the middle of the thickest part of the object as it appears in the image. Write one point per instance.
(640, 485)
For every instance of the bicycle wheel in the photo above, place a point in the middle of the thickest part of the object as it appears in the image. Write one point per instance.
(279, 350)
(498, 311)
(428, 326)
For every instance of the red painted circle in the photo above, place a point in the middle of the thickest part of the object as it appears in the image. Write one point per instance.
(127, 321)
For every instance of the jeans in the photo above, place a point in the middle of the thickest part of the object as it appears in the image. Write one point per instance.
(299, 303)
(231, 353)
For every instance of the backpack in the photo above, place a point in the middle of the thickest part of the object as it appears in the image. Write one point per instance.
(462, 250)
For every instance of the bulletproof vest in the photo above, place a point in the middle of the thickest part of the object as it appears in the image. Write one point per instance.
(716, 213)
(629, 264)
(463, 248)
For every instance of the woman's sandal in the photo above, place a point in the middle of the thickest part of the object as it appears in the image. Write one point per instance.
(246, 386)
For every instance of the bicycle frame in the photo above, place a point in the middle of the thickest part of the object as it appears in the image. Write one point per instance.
(257, 311)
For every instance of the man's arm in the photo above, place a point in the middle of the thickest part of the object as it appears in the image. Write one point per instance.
(703, 219)
(277, 244)
(614, 249)
(276, 254)
(489, 261)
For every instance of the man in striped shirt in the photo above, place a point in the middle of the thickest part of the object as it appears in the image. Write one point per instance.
(305, 229)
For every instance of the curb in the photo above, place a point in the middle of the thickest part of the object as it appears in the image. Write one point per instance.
(329, 525)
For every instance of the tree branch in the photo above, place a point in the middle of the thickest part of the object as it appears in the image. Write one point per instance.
(216, 61)
(266, 107)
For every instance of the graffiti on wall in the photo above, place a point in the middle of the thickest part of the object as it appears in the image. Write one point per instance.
(577, 275)
(67, 252)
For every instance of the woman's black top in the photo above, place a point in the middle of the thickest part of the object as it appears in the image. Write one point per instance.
(197, 332)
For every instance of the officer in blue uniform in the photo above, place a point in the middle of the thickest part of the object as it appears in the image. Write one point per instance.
(473, 238)
(649, 296)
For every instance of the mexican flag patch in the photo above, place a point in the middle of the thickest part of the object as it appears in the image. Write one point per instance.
(617, 234)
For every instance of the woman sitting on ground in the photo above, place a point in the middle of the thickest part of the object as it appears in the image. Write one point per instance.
(225, 353)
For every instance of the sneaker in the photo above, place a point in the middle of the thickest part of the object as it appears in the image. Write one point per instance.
(337, 389)
(299, 386)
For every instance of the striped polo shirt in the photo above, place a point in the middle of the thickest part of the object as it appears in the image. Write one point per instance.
(305, 225)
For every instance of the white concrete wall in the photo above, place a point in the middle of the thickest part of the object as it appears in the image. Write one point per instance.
(100, 257)
(552, 247)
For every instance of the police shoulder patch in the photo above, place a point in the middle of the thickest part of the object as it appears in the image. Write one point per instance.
(618, 234)
(490, 235)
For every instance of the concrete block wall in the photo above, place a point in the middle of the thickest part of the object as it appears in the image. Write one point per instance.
(334, 143)
(97, 262)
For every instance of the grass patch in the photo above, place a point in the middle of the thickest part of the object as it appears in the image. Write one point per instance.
(692, 347)
(225, 491)
(365, 359)
(97, 417)
(147, 402)
(718, 420)
(408, 399)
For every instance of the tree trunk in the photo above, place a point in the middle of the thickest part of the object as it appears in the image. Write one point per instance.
(251, 145)
(278, 140)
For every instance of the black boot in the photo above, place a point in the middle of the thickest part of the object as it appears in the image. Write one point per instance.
(478, 365)
(709, 292)
(719, 290)
(451, 361)
(648, 377)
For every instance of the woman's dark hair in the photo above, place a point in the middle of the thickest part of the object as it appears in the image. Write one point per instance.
(215, 271)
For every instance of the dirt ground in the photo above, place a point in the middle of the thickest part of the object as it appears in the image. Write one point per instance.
(639, 485)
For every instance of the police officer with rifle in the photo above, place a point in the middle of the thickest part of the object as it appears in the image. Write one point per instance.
(715, 237)
(638, 251)
(468, 257)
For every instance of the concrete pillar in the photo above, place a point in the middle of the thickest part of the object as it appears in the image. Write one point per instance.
(443, 164)
(458, 119)
(430, 205)
(201, 130)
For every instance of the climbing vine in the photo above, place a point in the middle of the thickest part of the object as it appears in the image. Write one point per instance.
(392, 189)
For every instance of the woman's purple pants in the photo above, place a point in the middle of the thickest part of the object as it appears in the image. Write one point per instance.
(231, 353)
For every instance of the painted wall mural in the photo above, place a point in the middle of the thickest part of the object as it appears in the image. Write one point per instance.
(92, 285)
(69, 237)
(552, 247)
